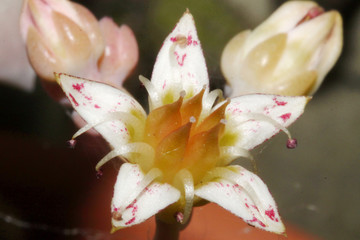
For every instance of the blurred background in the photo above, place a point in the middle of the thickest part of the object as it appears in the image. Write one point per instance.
(50, 191)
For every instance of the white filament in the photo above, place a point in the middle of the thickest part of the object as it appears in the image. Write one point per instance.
(208, 102)
(188, 182)
(145, 150)
(154, 97)
(237, 152)
(127, 118)
(153, 174)
(263, 117)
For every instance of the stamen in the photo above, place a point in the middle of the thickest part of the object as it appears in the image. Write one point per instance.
(192, 119)
(99, 174)
(182, 93)
(153, 174)
(237, 152)
(187, 180)
(209, 100)
(223, 121)
(291, 143)
(71, 143)
(262, 117)
(127, 118)
(145, 160)
(154, 97)
(179, 216)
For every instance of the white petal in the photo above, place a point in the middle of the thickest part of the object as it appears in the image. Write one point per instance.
(252, 117)
(245, 195)
(284, 19)
(129, 208)
(94, 101)
(302, 48)
(180, 64)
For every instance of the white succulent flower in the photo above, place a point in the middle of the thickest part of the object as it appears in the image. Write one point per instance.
(180, 152)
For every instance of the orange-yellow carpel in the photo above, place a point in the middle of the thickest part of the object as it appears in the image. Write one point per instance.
(180, 141)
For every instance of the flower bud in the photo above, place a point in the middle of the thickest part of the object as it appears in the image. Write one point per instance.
(60, 36)
(288, 54)
(121, 52)
(65, 37)
(15, 69)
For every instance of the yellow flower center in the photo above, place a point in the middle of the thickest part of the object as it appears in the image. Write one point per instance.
(180, 141)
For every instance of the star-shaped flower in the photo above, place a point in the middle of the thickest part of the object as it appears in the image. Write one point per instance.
(180, 152)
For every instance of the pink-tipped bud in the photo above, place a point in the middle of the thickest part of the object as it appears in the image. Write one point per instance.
(65, 37)
(121, 52)
(290, 53)
(60, 36)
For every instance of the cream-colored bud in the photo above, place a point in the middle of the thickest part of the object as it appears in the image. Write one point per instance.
(288, 54)
(60, 36)
(121, 52)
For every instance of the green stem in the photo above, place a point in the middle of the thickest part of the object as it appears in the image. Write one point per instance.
(165, 231)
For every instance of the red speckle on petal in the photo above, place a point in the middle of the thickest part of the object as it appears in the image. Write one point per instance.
(255, 220)
(173, 39)
(279, 103)
(134, 210)
(191, 42)
(96, 106)
(78, 86)
(130, 221)
(285, 116)
(271, 214)
(131, 205)
(73, 100)
(88, 98)
(179, 60)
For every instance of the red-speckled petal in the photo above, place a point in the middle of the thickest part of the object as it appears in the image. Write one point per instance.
(134, 201)
(256, 118)
(180, 64)
(246, 196)
(94, 100)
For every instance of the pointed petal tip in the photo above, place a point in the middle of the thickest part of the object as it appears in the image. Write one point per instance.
(57, 77)
(114, 229)
(187, 14)
(245, 195)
